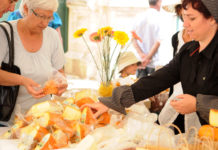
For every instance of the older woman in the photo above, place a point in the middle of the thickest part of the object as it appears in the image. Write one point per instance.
(38, 51)
(196, 66)
(55, 23)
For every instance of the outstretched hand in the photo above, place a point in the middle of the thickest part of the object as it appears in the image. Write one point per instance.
(98, 108)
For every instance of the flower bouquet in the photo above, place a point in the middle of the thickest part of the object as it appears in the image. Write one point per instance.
(110, 45)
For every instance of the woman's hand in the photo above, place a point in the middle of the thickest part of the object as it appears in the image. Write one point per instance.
(32, 87)
(185, 105)
(61, 89)
(62, 83)
(98, 108)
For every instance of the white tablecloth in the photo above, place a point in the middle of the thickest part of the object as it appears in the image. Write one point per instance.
(82, 84)
(7, 144)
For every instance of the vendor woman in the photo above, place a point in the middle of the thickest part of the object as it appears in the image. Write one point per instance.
(196, 66)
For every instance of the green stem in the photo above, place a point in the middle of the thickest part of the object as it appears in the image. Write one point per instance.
(104, 59)
(128, 45)
(114, 50)
(108, 58)
(105, 56)
(115, 66)
(101, 60)
(91, 54)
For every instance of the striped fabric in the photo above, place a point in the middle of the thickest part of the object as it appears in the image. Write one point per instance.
(121, 98)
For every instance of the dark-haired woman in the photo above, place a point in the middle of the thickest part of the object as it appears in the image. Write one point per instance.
(168, 114)
(195, 66)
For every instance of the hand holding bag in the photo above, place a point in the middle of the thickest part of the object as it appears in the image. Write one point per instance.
(8, 94)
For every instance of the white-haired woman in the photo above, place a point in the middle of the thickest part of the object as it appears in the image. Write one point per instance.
(38, 51)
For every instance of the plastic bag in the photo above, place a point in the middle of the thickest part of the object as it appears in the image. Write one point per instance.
(158, 101)
(55, 82)
(109, 137)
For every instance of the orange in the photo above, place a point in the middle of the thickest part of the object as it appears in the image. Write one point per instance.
(104, 118)
(117, 83)
(208, 131)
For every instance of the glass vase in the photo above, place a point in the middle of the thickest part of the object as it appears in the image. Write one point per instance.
(105, 90)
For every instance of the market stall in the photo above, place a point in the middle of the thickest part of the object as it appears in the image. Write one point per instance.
(61, 119)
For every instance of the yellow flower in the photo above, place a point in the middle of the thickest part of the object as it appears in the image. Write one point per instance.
(121, 37)
(105, 31)
(108, 51)
(79, 33)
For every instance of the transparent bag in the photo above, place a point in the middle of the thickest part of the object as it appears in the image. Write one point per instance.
(55, 81)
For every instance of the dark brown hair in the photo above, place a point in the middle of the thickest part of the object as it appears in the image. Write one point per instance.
(178, 10)
(197, 5)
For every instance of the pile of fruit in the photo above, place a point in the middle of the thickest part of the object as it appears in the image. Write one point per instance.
(55, 124)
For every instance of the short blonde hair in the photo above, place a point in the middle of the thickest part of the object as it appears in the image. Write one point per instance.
(41, 4)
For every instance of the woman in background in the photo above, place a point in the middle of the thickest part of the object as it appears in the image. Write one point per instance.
(181, 37)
